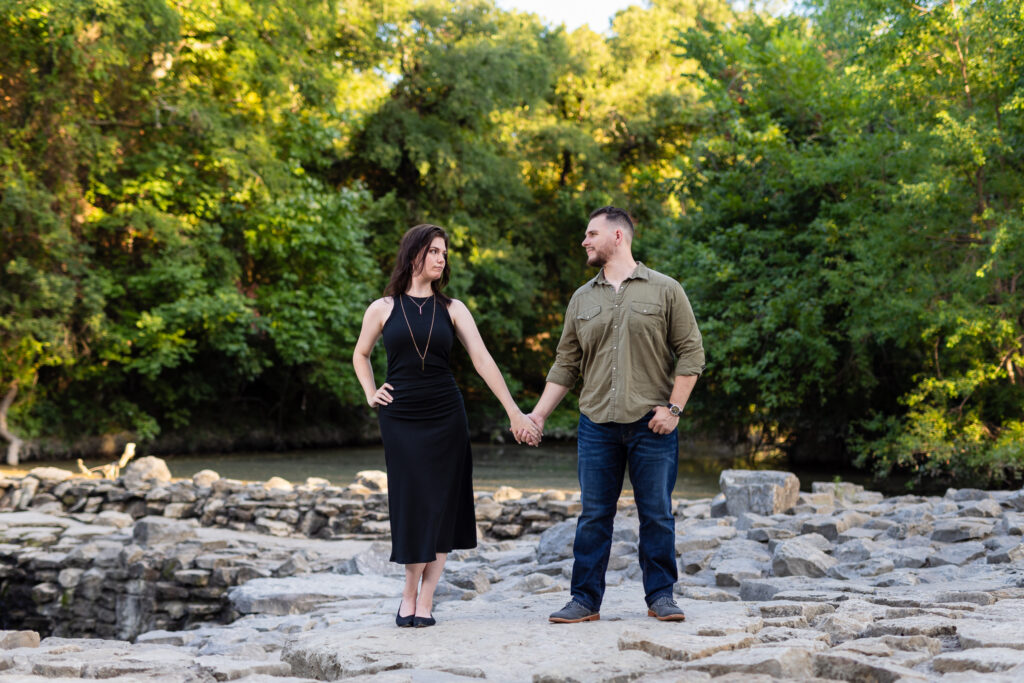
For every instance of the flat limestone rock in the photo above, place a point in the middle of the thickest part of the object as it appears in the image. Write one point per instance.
(298, 594)
(961, 529)
(683, 648)
(50, 473)
(886, 646)
(154, 530)
(773, 634)
(974, 633)
(778, 662)
(912, 626)
(472, 642)
(982, 659)
(10, 640)
(227, 668)
(850, 666)
(957, 554)
(511, 640)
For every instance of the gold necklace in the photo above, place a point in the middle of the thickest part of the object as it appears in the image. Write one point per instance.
(423, 356)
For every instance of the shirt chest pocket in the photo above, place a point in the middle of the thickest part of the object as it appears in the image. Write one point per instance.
(588, 324)
(646, 317)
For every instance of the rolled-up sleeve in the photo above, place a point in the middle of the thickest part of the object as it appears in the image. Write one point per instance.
(566, 368)
(684, 337)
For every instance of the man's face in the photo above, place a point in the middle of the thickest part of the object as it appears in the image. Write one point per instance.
(599, 241)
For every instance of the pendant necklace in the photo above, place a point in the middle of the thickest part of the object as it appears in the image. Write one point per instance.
(419, 306)
(423, 356)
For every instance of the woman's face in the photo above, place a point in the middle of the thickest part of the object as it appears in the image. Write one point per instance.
(432, 259)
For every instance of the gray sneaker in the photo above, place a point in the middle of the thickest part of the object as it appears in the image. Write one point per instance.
(573, 613)
(665, 609)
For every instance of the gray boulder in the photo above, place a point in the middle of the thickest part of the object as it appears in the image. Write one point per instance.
(205, 478)
(146, 470)
(375, 480)
(10, 640)
(798, 557)
(762, 492)
(50, 473)
(556, 543)
(155, 530)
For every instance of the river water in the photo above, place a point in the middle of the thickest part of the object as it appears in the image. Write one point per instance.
(528, 469)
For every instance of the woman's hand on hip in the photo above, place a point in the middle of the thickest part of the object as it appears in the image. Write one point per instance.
(382, 396)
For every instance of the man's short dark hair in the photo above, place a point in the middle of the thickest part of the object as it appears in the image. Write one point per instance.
(617, 216)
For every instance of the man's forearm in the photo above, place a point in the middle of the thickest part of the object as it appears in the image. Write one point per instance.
(682, 388)
(552, 396)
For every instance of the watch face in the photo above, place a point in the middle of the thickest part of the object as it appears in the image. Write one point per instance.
(674, 410)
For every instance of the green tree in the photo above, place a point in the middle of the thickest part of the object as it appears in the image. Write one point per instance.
(174, 242)
(857, 212)
(942, 252)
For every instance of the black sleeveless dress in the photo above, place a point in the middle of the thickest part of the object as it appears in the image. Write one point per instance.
(426, 438)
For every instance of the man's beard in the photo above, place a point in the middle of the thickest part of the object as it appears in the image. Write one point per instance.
(597, 259)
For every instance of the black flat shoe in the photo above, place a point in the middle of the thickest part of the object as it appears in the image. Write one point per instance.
(404, 621)
(421, 622)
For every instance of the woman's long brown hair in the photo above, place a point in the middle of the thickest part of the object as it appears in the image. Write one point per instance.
(412, 252)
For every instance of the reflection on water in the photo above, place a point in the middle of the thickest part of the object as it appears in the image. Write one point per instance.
(528, 469)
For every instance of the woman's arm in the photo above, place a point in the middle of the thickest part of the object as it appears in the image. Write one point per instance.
(469, 335)
(373, 323)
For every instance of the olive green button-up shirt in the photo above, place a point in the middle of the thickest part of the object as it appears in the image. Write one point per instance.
(627, 345)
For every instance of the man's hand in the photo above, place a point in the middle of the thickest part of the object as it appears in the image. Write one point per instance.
(524, 430)
(538, 422)
(663, 421)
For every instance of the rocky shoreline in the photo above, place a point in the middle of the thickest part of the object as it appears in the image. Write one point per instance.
(834, 583)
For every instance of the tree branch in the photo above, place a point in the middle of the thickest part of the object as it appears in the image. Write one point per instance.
(14, 443)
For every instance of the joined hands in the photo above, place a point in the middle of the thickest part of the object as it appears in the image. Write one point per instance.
(528, 429)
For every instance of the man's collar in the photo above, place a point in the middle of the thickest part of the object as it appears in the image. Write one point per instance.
(641, 272)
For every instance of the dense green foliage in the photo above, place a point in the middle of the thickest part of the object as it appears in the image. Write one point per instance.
(171, 245)
(198, 199)
(859, 234)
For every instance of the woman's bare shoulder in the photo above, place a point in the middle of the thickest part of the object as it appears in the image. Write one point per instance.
(457, 309)
(380, 307)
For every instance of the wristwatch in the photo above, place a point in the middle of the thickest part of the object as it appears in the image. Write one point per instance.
(674, 409)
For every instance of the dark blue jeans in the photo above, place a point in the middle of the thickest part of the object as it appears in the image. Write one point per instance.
(604, 451)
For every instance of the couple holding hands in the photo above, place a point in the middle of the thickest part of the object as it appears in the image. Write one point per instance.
(629, 332)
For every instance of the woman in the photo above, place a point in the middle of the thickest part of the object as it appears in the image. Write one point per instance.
(422, 417)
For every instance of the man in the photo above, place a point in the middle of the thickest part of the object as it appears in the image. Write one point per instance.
(631, 334)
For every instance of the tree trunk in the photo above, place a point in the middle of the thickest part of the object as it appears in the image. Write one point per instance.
(14, 443)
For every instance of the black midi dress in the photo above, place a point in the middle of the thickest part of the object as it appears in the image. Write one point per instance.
(426, 436)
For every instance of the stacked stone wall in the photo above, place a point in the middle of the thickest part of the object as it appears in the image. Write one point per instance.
(315, 509)
(64, 578)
